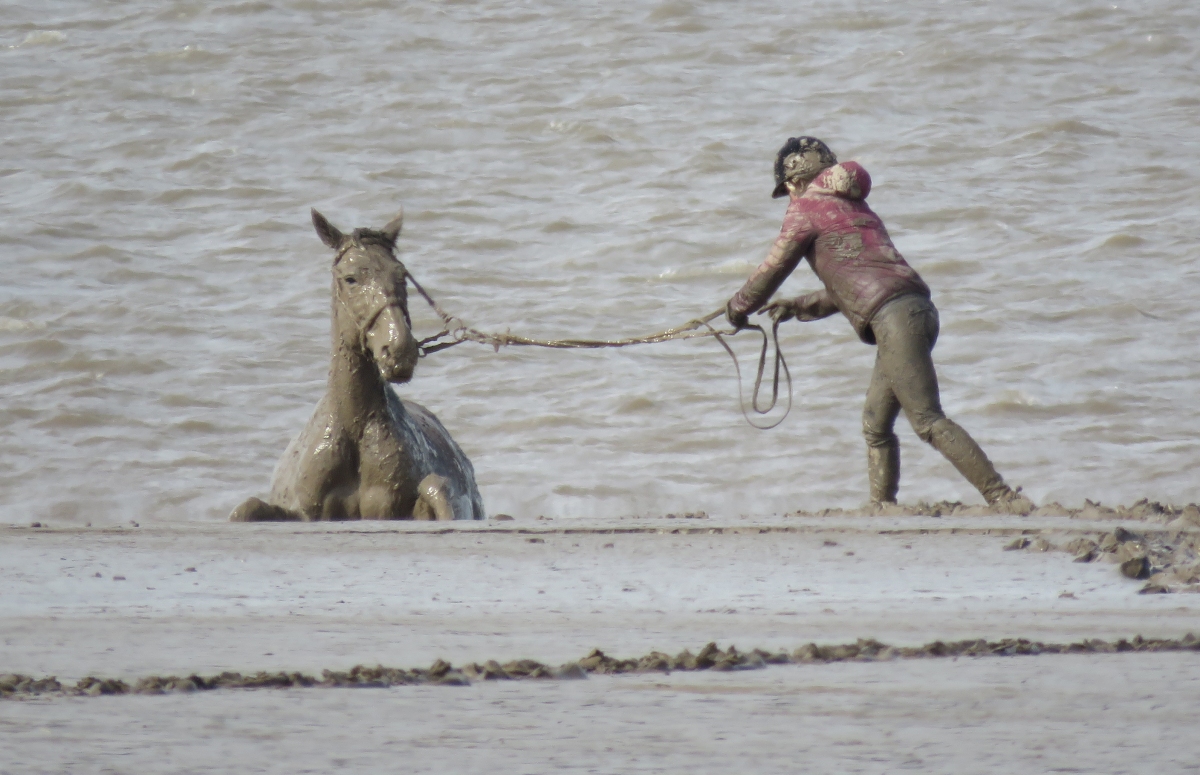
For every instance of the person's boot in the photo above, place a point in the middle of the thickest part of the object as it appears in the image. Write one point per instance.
(957, 446)
(1012, 501)
(883, 471)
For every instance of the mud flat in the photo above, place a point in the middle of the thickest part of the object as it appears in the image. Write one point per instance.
(125, 604)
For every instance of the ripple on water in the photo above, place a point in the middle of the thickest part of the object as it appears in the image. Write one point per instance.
(573, 171)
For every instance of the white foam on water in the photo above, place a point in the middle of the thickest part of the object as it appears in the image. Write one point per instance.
(43, 38)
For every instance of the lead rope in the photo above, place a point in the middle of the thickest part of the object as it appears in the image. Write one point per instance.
(460, 332)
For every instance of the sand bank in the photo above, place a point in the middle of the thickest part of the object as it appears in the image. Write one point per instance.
(134, 602)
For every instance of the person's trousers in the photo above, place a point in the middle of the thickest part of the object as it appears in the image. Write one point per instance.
(906, 329)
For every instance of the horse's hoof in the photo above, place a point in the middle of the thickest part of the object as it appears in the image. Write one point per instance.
(248, 510)
(433, 495)
(257, 510)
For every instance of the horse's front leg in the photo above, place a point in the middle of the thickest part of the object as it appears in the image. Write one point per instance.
(319, 480)
(386, 476)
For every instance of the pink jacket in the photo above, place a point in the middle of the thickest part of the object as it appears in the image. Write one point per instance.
(847, 246)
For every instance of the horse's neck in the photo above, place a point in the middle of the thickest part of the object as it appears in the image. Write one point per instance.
(357, 389)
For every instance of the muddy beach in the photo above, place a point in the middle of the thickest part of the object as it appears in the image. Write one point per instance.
(596, 171)
(909, 634)
(1092, 713)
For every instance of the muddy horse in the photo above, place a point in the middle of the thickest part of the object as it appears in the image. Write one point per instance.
(367, 453)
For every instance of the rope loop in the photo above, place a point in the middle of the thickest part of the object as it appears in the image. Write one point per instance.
(780, 365)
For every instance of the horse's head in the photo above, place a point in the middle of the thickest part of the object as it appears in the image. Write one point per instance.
(368, 283)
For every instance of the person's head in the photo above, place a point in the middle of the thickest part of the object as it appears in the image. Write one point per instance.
(799, 161)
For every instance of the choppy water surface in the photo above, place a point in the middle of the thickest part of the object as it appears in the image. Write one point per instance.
(589, 169)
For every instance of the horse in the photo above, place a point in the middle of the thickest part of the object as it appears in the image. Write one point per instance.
(367, 453)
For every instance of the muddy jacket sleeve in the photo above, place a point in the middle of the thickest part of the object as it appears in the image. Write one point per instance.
(790, 247)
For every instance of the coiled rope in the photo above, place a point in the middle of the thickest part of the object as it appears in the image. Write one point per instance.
(456, 331)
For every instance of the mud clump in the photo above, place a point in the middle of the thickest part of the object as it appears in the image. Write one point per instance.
(93, 686)
(1041, 545)
(1136, 568)
(1144, 510)
(863, 650)
(382, 677)
(1083, 549)
(711, 658)
(527, 668)
(15, 683)
(1167, 559)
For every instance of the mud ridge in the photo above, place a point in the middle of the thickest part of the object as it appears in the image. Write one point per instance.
(711, 657)
(1171, 516)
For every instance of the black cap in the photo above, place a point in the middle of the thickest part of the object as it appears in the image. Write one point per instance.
(800, 158)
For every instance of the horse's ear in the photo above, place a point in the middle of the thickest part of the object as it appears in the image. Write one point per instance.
(392, 230)
(328, 233)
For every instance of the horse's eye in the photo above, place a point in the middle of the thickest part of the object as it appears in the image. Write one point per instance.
(351, 280)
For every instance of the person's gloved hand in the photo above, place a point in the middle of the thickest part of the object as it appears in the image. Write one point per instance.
(736, 319)
(782, 311)
(809, 306)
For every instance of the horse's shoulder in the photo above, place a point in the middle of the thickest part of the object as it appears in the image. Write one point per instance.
(406, 411)
(323, 429)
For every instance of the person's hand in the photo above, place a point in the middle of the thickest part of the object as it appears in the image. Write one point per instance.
(810, 306)
(736, 319)
(781, 311)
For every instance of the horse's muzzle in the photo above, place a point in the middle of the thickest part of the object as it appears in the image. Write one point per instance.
(392, 345)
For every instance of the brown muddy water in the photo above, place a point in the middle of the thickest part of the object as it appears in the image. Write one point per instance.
(589, 170)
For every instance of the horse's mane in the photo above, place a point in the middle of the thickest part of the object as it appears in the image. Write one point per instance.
(374, 237)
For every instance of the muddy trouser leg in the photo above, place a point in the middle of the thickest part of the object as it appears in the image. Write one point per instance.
(906, 330)
(883, 448)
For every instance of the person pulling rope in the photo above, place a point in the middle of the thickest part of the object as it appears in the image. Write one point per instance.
(829, 224)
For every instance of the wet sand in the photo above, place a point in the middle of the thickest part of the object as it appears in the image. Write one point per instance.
(315, 597)
(1107, 713)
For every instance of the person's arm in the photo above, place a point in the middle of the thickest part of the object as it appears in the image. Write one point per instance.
(786, 253)
(809, 306)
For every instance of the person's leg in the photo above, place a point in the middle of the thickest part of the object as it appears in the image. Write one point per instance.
(906, 331)
(883, 447)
